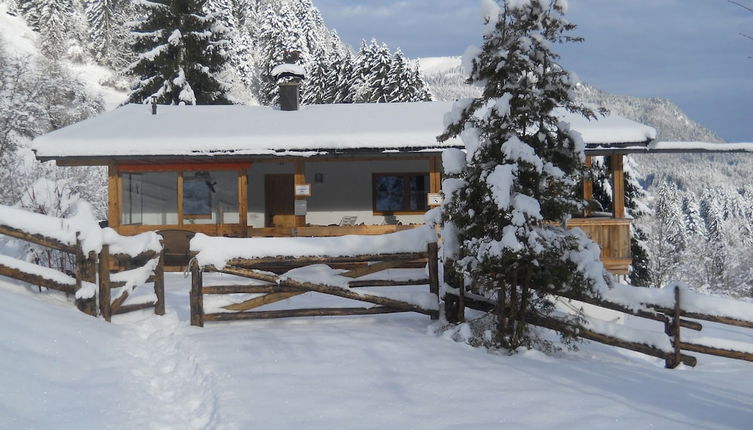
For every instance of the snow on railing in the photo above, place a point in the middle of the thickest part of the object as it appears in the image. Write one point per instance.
(218, 251)
(92, 246)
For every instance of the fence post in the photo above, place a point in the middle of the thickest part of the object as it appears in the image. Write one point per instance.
(196, 299)
(159, 284)
(83, 274)
(673, 330)
(433, 262)
(104, 284)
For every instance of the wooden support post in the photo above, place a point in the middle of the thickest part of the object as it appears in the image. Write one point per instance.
(435, 175)
(104, 284)
(197, 298)
(618, 186)
(300, 179)
(433, 262)
(588, 185)
(159, 285)
(243, 201)
(114, 196)
(84, 273)
(674, 331)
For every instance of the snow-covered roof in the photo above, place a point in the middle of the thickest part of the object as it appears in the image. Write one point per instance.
(659, 147)
(132, 131)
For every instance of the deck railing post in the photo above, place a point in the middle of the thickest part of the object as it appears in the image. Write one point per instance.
(105, 303)
(196, 298)
(159, 283)
(84, 274)
(673, 330)
(433, 262)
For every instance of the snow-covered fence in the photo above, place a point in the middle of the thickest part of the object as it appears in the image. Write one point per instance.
(94, 249)
(315, 265)
(676, 307)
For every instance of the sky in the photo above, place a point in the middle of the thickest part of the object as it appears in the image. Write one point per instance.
(688, 51)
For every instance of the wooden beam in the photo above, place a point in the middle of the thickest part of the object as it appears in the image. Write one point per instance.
(243, 201)
(113, 196)
(618, 186)
(159, 285)
(135, 307)
(36, 280)
(290, 313)
(327, 289)
(306, 261)
(387, 283)
(299, 178)
(435, 175)
(196, 299)
(37, 239)
(104, 283)
(261, 301)
(180, 199)
(246, 289)
(373, 268)
(588, 185)
(433, 266)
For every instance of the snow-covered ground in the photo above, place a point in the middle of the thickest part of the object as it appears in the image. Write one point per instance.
(61, 369)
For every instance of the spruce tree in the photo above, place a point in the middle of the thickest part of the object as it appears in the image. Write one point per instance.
(522, 174)
(108, 34)
(181, 51)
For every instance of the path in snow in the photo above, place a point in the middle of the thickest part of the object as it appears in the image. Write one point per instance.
(171, 388)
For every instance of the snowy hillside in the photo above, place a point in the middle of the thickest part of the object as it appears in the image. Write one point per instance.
(71, 371)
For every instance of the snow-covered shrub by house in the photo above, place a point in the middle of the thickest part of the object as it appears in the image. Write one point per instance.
(523, 168)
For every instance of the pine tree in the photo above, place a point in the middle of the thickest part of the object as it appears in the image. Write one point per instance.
(108, 35)
(281, 41)
(373, 65)
(315, 88)
(180, 52)
(521, 179)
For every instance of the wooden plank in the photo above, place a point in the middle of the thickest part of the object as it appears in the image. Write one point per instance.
(196, 299)
(113, 196)
(305, 261)
(182, 166)
(433, 264)
(372, 268)
(36, 280)
(159, 285)
(246, 289)
(261, 301)
(618, 186)
(243, 201)
(104, 283)
(673, 329)
(597, 221)
(135, 307)
(721, 352)
(327, 289)
(37, 239)
(588, 185)
(291, 313)
(180, 201)
(387, 283)
(299, 178)
(435, 176)
(117, 303)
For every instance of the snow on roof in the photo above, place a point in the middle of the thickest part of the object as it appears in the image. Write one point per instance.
(132, 130)
(294, 69)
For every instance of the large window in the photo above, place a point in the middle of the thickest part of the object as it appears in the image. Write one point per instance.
(156, 198)
(400, 192)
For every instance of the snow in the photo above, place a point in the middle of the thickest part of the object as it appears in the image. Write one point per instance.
(68, 370)
(34, 269)
(38, 224)
(131, 245)
(295, 69)
(216, 251)
(453, 161)
(258, 130)
(135, 277)
(701, 146)
(500, 182)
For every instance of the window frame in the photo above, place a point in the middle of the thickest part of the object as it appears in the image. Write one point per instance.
(406, 193)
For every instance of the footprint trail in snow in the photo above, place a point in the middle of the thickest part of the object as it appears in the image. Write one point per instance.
(171, 389)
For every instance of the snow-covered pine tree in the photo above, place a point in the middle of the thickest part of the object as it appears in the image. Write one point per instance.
(340, 77)
(315, 91)
(398, 80)
(53, 22)
(181, 51)
(109, 37)
(522, 173)
(281, 41)
(373, 66)
(667, 239)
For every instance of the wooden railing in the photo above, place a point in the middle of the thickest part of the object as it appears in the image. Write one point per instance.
(613, 237)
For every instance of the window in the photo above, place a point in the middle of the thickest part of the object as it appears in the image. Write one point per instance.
(400, 192)
(150, 198)
(197, 194)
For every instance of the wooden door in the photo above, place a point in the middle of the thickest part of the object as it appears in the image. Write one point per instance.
(278, 201)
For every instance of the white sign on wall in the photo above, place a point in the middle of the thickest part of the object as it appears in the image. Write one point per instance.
(301, 207)
(434, 199)
(303, 190)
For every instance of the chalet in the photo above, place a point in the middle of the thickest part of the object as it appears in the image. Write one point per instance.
(319, 170)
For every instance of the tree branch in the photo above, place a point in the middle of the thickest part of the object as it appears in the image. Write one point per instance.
(741, 5)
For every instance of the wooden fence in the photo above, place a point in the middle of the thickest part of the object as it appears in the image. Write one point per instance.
(92, 273)
(673, 318)
(275, 288)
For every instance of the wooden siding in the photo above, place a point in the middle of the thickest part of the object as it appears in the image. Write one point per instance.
(613, 236)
